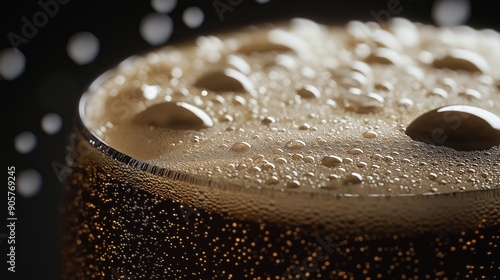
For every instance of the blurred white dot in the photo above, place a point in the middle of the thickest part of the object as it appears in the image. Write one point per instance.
(25, 142)
(29, 183)
(83, 47)
(193, 17)
(262, 1)
(51, 123)
(12, 63)
(163, 6)
(156, 28)
(451, 12)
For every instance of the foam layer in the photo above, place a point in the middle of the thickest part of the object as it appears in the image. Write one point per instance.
(303, 107)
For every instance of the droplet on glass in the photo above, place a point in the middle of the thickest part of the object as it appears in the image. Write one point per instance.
(172, 115)
(459, 127)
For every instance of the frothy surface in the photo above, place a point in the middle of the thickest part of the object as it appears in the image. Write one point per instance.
(304, 107)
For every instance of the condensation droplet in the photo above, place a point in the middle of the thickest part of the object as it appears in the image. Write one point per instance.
(241, 147)
(295, 145)
(457, 126)
(225, 80)
(171, 115)
(25, 142)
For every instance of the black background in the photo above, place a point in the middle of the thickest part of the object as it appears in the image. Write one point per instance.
(52, 83)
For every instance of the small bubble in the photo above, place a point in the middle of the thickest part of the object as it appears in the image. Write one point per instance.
(254, 170)
(281, 160)
(297, 157)
(226, 80)
(361, 164)
(12, 63)
(295, 145)
(359, 102)
(304, 126)
(309, 91)
(470, 93)
(268, 120)
(293, 184)
(239, 100)
(163, 6)
(438, 92)
(385, 86)
(460, 59)
(171, 115)
(25, 142)
(83, 48)
(361, 67)
(355, 151)
(29, 183)
(405, 102)
(272, 181)
(331, 161)
(241, 147)
(370, 134)
(156, 28)
(384, 56)
(352, 179)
